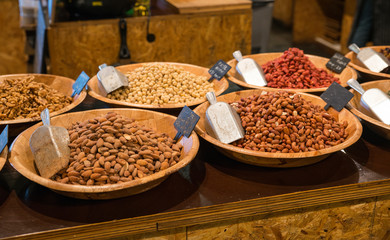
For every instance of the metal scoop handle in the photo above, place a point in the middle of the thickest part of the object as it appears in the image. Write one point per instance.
(211, 98)
(45, 116)
(353, 47)
(237, 55)
(356, 85)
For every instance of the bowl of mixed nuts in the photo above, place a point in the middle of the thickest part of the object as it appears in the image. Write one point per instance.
(113, 153)
(294, 71)
(363, 70)
(366, 115)
(24, 96)
(283, 129)
(160, 85)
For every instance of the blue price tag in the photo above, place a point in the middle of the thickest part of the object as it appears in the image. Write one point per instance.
(80, 83)
(185, 122)
(3, 138)
(219, 70)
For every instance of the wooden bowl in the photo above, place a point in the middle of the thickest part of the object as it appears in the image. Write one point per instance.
(367, 116)
(22, 160)
(279, 160)
(59, 83)
(95, 92)
(3, 157)
(263, 58)
(365, 72)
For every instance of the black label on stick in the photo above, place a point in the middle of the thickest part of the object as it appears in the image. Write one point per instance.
(336, 96)
(219, 70)
(337, 63)
(185, 122)
(3, 138)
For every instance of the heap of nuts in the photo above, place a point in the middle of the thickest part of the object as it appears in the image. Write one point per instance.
(24, 98)
(284, 122)
(159, 84)
(386, 52)
(294, 70)
(114, 149)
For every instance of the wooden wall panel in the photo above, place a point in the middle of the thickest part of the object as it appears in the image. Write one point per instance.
(284, 11)
(200, 39)
(381, 223)
(12, 39)
(221, 230)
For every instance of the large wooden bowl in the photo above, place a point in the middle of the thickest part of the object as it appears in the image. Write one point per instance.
(367, 116)
(22, 160)
(263, 58)
(96, 92)
(280, 160)
(365, 73)
(3, 157)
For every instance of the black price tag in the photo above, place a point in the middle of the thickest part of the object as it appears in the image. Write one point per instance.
(185, 122)
(80, 83)
(336, 96)
(337, 63)
(3, 138)
(219, 70)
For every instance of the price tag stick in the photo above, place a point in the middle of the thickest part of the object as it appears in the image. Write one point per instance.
(185, 123)
(219, 70)
(337, 63)
(3, 138)
(80, 83)
(336, 96)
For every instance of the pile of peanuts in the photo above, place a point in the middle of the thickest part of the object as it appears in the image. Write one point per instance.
(159, 84)
(24, 98)
(284, 122)
(386, 52)
(294, 70)
(113, 149)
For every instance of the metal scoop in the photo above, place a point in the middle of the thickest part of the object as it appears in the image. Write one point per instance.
(111, 79)
(50, 147)
(374, 61)
(250, 70)
(223, 122)
(376, 100)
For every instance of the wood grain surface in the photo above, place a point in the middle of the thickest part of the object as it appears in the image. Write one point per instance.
(263, 58)
(59, 83)
(22, 159)
(363, 70)
(197, 6)
(200, 39)
(267, 159)
(98, 93)
(368, 117)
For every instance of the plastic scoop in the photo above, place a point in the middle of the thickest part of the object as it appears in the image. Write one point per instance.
(374, 61)
(250, 70)
(376, 100)
(223, 122)
(49, 145)
(111, 79)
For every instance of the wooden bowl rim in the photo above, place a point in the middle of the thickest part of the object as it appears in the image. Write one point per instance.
(76, 101)
(109, 187)
(3, 155)
(365, 117)
(225, 85)
(352, 139)
(363, 69)
(278, 54)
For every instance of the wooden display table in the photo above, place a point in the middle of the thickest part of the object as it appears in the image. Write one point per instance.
(346, 196)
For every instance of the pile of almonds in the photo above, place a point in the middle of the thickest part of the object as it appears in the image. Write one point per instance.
(113, 149)
(284, 122)
(294, 70)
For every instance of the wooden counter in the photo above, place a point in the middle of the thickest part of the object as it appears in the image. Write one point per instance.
(200, 39)
(346, 196)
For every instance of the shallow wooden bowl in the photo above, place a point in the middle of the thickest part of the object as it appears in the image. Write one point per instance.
(95, 92)
(22, 160)
(3, 157)
(280, 160)
(263, 58)
(367, 116)
(59, 83)
(365, 72)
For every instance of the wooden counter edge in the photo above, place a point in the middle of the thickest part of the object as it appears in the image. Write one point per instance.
(215, 213)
